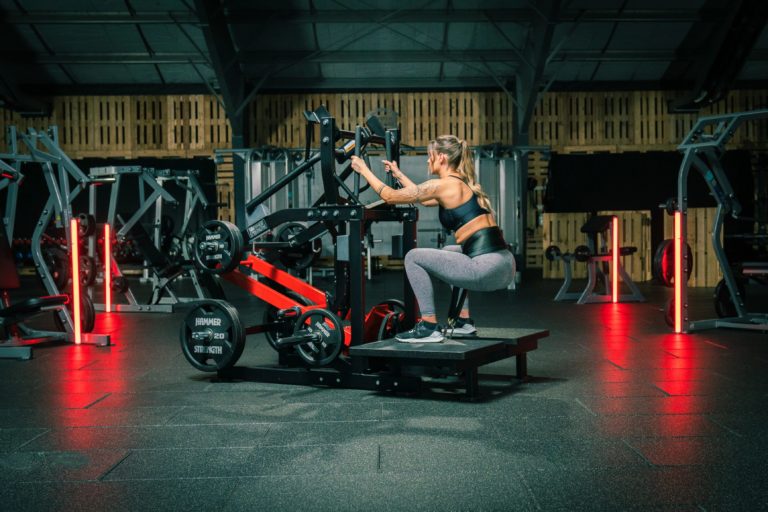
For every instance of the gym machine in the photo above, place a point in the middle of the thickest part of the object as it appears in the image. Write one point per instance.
(602, 249)
(504, 169)
(325, 338)
(702, 149)
(167, 255)
(77, 319)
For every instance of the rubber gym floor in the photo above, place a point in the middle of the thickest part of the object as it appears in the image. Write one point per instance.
(619, 414)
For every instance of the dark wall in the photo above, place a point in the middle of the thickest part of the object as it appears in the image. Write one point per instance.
(641, 181)
(33, 192)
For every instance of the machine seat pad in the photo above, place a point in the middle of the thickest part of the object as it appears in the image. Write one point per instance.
(33, 305)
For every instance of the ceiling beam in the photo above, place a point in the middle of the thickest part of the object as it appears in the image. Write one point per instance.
(358, 56)
(223, 57)
(722, 55)
(319, 83)
(251, 16)
(528, 79)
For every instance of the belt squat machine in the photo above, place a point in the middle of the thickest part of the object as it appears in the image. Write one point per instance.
(322, 338)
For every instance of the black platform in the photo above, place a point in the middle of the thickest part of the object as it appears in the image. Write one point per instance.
(459, 355)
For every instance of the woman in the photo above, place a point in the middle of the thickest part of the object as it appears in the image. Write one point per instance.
(481, 262)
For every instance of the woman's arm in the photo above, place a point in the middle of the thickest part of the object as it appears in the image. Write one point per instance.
(427, 191)
(394, 169)
(405, 181)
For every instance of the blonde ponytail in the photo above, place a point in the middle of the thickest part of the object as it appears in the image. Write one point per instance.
(466, 168)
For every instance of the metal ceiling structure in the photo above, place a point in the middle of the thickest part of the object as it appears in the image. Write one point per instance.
(238, 48)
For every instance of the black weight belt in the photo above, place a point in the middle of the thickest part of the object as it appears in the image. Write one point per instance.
(484, 241)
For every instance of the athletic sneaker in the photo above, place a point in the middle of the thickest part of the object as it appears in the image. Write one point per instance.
(464, 327)
(423, 332)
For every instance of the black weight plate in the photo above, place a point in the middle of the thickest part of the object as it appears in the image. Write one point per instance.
(218, 247)
(87, 315)
(270, 315)
(657, 264)
(582, 253)
(212, 336)
(299, 257)
(331, 337)
(724, 306)
(391, 323)
(119, 284)
(663, 266)
(86, 225)
(57, 262)
(212, 286)
(552, 253)
(87, 270)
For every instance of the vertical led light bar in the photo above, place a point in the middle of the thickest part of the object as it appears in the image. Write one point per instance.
(615, 263)
(107, 269)
(678, 272)
(75, 279)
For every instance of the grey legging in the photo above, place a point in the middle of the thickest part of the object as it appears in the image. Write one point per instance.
(487, 272)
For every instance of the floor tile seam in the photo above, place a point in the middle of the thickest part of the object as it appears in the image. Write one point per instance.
(654, 437)
(115, 465)
(26, 443)
(638, 453)
(227, 477)
(176, 413)
(529, 491)
(107, 395)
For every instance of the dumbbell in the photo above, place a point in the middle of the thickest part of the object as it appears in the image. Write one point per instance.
(553, 253)
(582, 253)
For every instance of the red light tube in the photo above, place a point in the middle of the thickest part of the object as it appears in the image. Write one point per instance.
(75, 280)
(107, 269)
(678, 272)
(615, 254)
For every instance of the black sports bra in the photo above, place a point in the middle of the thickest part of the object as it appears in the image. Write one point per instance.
(454, 218)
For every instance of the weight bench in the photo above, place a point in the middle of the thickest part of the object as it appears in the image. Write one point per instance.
(16, 339)
(454, 355)
(599, 231)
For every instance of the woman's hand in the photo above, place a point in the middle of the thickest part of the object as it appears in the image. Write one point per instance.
(393, 168)
(358, 165)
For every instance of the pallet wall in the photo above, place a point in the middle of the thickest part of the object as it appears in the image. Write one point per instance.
(572, 122)
(564, 231)
(192, 125)
(706, 269)
(183, 126)
(478, 117)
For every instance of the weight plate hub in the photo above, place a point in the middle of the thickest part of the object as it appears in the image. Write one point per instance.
(299, 257)
(212, 336)
(218, 247)
(328, 337)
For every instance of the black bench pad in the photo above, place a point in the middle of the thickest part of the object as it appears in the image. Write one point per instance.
(33, 305)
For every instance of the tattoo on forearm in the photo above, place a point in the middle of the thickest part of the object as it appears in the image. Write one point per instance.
(416, 193)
